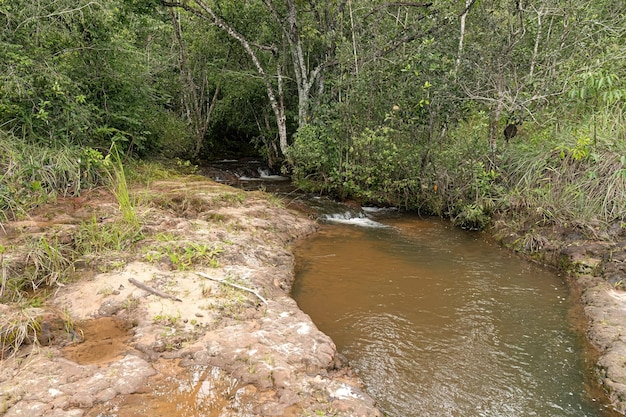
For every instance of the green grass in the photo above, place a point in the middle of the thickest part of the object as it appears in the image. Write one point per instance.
(119, 187)
(183, 255)
(555, 187)
(33, 175)
(93, 237)
(48, 263)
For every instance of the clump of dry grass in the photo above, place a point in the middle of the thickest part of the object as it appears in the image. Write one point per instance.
(18, 328)
(559, 189)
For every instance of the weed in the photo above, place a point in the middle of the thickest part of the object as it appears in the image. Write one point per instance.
(69, 324)
(274, 199)
(183, 257)
(165, 237)
(49, 263)
(106, 291)
(34, 175)
(153, 256)
(3, 272)
(119, 188)
(206, 291)
(16, 329)
(230, 197)
(251, 366)
(233, 304)
(181, 204)
(269, 360)
(166, 319)
(117, 264)
(145, 172)
(93, 237)
(215, 217)
(472, 217)
(186, 166)
(35, 302)
(131, 303)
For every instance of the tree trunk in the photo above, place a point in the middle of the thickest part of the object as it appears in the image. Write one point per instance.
(204, 11)
(305, 78)
(194, 97)
(494, 121)
(468, 3)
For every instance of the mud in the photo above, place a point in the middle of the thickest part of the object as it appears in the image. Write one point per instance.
(104, 340)
(119, 350)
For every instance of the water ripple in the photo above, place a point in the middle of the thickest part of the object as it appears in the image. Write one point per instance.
(439, 323)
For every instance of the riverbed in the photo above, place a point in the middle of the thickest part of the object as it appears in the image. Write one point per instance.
(441, 322)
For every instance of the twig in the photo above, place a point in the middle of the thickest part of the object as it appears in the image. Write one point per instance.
(222, 281)
(153, 290)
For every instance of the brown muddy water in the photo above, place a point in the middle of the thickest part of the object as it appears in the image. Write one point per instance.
(439, 322)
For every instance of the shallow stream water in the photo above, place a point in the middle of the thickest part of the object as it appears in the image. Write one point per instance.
(439, 322)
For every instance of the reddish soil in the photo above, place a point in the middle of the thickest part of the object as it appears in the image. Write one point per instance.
(211, 349)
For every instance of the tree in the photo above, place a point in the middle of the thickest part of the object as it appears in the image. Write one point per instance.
(81, 73)
(308, 35)
(195, 92)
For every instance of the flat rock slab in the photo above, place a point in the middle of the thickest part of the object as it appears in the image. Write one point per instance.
(210, 348)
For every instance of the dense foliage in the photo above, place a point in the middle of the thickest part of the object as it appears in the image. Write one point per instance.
(401, 103)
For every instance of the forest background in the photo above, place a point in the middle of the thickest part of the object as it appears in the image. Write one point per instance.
(400, 103)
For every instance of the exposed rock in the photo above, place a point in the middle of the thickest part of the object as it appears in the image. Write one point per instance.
(221, 346)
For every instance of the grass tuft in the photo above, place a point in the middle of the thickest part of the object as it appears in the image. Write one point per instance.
(17, 329)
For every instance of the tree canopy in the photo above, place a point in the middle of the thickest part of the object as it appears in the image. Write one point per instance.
(389, 102)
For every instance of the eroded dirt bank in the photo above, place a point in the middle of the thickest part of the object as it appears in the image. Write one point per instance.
(110, 348)
(595, 261)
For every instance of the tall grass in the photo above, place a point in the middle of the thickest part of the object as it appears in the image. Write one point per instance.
(48, 263)
(16, 329)
(119, 188)
(31, 175)
(550, 175)
(560, 178)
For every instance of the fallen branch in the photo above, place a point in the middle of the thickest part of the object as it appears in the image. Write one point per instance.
(222, 281)
(153, 290)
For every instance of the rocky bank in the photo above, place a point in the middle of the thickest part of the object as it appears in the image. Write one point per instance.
(188, 344)
(194, 346)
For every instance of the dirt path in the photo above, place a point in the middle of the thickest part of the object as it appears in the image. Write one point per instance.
(112, 348)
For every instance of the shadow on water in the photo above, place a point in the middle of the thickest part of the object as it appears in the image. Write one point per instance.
(438, 322)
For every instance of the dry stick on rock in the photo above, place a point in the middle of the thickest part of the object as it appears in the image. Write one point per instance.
(153, 290)
(221, 281)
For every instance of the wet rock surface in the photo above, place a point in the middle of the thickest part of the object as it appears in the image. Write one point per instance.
(210, 348)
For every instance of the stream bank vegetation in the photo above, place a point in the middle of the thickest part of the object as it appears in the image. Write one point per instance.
(493, 114)
(96, 223)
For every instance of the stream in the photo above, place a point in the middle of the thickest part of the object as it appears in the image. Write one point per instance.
(437, 321)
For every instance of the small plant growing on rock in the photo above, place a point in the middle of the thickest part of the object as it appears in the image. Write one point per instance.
(167, 319)
(131, 303)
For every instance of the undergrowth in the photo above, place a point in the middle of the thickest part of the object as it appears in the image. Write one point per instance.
(32, 175)
(33, 266)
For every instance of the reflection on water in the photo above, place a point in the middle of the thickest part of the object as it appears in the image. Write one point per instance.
(197, 391)
(439, 323)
